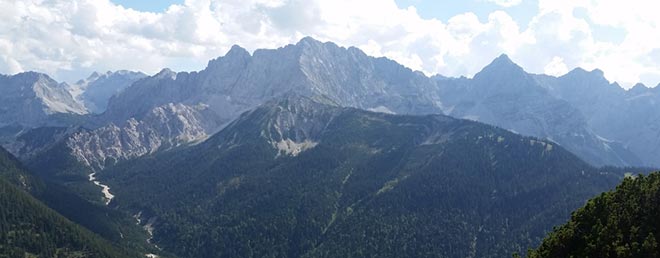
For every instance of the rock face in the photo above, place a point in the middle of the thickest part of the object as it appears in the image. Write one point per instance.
(238, 82)
(33, 99)
(95, 91)
(167, 126)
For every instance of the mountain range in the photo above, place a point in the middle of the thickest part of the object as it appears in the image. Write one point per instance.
(316, 150)
(581, 110)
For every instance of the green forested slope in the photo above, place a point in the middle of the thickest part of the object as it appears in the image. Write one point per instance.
(620, 223)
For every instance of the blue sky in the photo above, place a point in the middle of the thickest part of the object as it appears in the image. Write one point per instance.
(445, 9)
(147, 6)
(448, 37)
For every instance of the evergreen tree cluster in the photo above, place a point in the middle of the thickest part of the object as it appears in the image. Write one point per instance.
(621, 223)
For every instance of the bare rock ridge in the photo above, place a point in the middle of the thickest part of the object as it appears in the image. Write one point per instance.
(167, 126)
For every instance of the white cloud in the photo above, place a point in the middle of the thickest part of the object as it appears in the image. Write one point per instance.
(68, 38)
(556, 67)
(506, 3)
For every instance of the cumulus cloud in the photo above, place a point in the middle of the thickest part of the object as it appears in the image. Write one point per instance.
(556, 67)
(506, 3)
(68, 38)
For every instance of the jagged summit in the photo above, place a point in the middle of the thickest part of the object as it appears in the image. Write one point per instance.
(310, 41)
(502, 59)
(236, 56)
(32, 76)
(638, 89)
(579, 71)
(501, 66)
(236, 49)
(165, 73)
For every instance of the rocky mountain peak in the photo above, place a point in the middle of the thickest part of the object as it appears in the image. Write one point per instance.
(596, 75)
(309, 42)
(165, 73)
(501, 67)
(638, 89)
(291, 124)
(237, 51)
(235, 57)
(30, 97)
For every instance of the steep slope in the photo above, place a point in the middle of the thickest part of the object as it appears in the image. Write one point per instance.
(298, 178)
(32, 99)
(503, 94)
(620, 223)
(28, 227)
(95, 91)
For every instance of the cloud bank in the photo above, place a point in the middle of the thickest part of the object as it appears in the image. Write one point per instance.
(69, 38)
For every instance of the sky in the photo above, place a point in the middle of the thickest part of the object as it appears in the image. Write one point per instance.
(69, 39)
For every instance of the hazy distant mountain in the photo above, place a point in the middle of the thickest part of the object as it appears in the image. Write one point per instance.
(503, 94)
(33, 99)
(629, 117)
(298, 178)
(95, 91)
